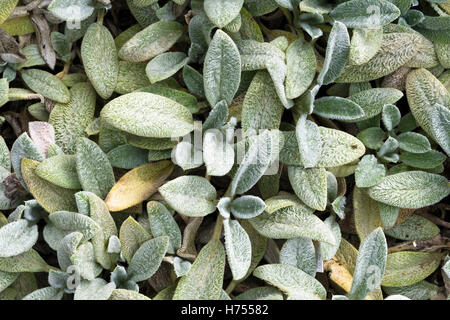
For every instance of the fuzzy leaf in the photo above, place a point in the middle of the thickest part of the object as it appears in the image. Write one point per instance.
(412, 189)
(60, 170)
(93, 167)
(415, 227)
(71, 120)
(148, 115)
(369, 172)
(247, 207)
(192, 196)
(238, 248)
(101, 69)
(222, 67)
(292, 222)
(72, 221)
(296, 283)
(152, 41)
(336, 55)
(163, 224)
(165, 65)
(370, 265)
(148, 258)
(222, 13)
(205, 278)
(338, 108)
(300, 253)
(301, 68)
(46, 84)
(310, 185)
(17, 237)
(132, 236)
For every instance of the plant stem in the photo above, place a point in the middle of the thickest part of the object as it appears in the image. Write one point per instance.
(218, 228)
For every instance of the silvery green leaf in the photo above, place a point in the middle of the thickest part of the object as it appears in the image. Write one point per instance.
(309, 142)
(218, 153)
(407, 268)
(388, 215)
(6, 279)
(261, 109)
(336, 55)
(372, 101)
(269, 185)
(370, 265)
(66, 249)
(5, 158)
(440, 127)
(292, 222)
(310, 185)
(131, 77)
(369, 172)
(327, 250)
(123, 294)
(391, 116)
(396, 50)
(413, 142)
(114, 245)
(415, 227)
(366, 213)
(163, 224)
(217, 117)
(190, 195)
(23, 147)
(300, 253)
(338, 206)
(407, 123)
(238, 248)
(426, 160)
(372, 138)
(293, 281)
(338, 148)
(263, 150)
(247, 207)
(101, 69)
(256, 56)
(260, 7)
(152, 41)
(148, 258)
(412, 189)
(148, 115)
(421, 290)
(181, 266)
(364, 45)
(17, 237)
(127, 157)
(29, 261)
(132, 235)
(301, 67)
(165, 65)
(182, 97)
(222, 68)
(53, 235)
(338, 108)
(224, 207)
(260, 293)
(71, 120)
(98, 211)
(60, 170)
(84, 260)
(205, 278)
(93, 168)
(46, 84)
(424, 92)
(332, 187)
(388, 147)
(339, 297)
(65, 9)
(194, 81)
(97, 289)
(222, 13)
(370, 14)
(4, 90)
(72, 221)
(47, 293)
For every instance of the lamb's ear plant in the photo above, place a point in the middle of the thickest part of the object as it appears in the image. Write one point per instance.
(239, 149)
